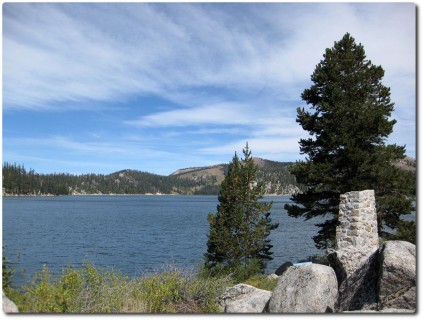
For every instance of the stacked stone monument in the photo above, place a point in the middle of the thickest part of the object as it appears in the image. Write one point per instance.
(356, 234)
(357, 221)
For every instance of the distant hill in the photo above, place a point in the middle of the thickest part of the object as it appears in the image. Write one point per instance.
(275, 174)
(201, 180)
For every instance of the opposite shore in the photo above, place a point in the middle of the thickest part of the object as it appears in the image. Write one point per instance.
(8, 195)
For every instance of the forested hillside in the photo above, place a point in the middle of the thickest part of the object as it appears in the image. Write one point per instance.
(205, 180)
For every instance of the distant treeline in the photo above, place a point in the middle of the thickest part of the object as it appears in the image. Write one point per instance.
(19, 181)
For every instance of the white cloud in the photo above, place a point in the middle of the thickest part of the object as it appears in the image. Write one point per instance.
(231, 68)
(50, 56)
(76, 52)
(65, 143)
(218, 114)
(230, 118)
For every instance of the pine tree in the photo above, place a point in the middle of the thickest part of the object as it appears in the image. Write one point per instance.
(347, 151)
(238, 231)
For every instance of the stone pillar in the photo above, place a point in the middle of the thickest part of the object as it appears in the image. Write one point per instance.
(357, 221)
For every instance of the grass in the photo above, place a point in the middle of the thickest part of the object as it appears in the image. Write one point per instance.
(261, 281)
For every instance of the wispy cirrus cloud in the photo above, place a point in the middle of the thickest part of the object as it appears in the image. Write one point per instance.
(217, 114)
(77, 52)
(187, 81)
(80, 154)
(65, 143)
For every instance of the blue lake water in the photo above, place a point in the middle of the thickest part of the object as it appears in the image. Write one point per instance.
(132, 234)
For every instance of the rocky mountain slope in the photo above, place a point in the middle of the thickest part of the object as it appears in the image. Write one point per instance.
(275, 174)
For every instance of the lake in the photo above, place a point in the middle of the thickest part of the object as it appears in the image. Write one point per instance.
(132, 234)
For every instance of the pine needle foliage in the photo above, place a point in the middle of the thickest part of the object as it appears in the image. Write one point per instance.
(348, 121)
(238, 239)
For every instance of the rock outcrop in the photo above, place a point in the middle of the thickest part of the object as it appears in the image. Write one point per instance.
(359, 290)
(363, 277)
(346, 261)
(244, 298)
(397, 282)
(8, 305)
(385, 281)
(309, 288)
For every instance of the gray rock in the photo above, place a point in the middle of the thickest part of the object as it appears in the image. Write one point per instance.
(359, 291)
(8, 305)
(244, 298)
(386, 280)
(346, 261)
(309, 288)
(397, 283)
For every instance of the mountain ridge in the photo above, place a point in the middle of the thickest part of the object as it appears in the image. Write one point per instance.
(187, 181)
(194, 180)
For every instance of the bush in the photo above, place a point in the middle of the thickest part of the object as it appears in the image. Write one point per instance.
(7, 273)
(236, 273)
(87, 290)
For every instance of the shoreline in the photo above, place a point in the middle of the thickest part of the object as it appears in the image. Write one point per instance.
(121, 194)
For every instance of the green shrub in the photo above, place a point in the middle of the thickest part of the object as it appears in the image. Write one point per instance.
(86, 290)
(7, 273)
(47, 295)
(237, 273)
(173, 290)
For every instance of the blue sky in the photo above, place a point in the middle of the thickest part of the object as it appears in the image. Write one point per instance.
(100, 87)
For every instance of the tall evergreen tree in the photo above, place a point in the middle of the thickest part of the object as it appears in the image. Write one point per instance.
(239, 230)
(347, 150)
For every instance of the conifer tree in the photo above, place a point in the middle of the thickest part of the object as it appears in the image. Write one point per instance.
(238, 231)
(347, 150)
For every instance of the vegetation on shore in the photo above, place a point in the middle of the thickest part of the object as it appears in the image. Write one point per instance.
(88, 290)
